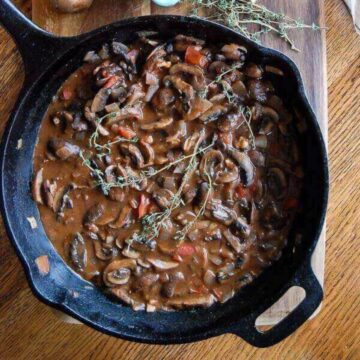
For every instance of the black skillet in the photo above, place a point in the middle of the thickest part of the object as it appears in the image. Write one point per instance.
(48, 61)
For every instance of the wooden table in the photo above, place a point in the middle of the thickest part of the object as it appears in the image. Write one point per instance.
(28, 329)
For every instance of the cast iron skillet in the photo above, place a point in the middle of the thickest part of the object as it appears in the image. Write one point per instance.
(48, 61)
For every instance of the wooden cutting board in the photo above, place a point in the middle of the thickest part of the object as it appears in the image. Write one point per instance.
(311, 61)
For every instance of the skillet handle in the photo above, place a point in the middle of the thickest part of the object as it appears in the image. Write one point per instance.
(314, 295)
(37, 47)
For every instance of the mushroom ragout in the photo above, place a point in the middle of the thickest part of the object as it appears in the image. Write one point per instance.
(168, 173)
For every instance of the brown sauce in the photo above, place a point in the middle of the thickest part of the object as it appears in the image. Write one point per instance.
(168, 174)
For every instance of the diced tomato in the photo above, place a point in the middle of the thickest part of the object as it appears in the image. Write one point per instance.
(195, 57)
(143, 206)
(111, 82)
(66, 94)
(126, 132)
(185, 249)
(290, 203)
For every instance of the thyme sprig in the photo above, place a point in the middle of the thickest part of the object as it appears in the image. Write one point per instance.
(181, 234)
(97, 173)
(105, 149)
(95, 135)
(247, 114)
(242, 15)
(130, 180)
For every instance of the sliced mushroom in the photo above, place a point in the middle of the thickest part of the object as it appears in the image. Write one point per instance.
(234, 241)
(253, 71)
(91, 57)
(123, 295)
(234, 52)
(63, 149)
(163, 99)
(111, 173)
(218, 67)
(163, 197)
(162, 264)
(182, 42)
(181, 86)
(151, 91)
(102, 252)
(125, 113)
(130, 253)
(36, 186)
(244, 163)
(213, 113)
(78, 253)
(230, 122)
(119, 48)
(148, 280)
(258, 90)
(149, 153)
(193, 300)
(62, 200)
(123, 219)
(195, 138)
(198, 107)
(209, 278)
(49, 191)
(94, 213)
(91, 118)
(136, 93)
(118, 272)
(239, 88)
(158, 125)
(198, 81)
(100, 99)
(277, 183)
(274, 70)
(175, 139)
(211, 163)
(242, 226)
(268, 112)
(138, 182)
(231, 174)
(134, 153)
(222, 213)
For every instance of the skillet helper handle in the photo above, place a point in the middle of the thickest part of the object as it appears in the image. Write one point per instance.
(37, 47)
(314, 295)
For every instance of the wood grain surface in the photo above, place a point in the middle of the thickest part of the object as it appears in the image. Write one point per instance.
(29, 330)
(311, 62)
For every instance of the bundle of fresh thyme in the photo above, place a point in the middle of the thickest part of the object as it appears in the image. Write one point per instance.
(250, 18)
